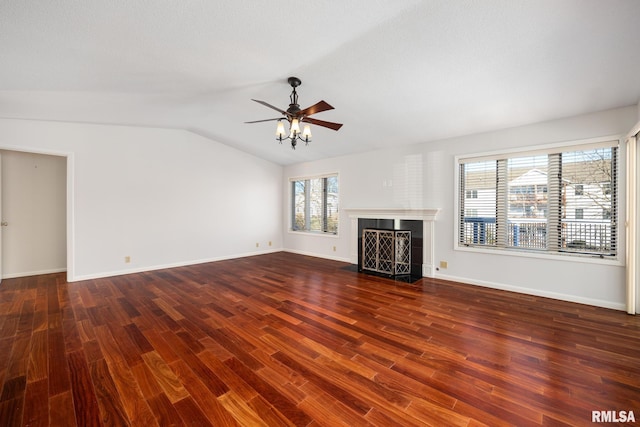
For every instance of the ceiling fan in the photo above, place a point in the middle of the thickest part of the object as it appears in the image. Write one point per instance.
(294, 115)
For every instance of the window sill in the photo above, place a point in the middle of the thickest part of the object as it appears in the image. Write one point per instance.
(314, 233)
(558, 256)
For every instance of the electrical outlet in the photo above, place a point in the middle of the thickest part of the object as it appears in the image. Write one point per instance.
(443, 264)
(334, 249)
(269, 242)
(127, 259)
(257, 245)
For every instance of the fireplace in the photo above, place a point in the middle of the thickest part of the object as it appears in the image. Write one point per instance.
(420, 222)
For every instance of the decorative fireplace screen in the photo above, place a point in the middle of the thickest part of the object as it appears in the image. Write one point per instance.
(386, 251)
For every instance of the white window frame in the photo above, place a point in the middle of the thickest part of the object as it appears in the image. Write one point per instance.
(611, 141)
(291, 206)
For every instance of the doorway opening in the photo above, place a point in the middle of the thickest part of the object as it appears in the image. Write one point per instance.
(34, 203)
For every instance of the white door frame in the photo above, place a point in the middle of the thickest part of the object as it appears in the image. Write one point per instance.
(69, 207)
(633, 210)
(1, 219)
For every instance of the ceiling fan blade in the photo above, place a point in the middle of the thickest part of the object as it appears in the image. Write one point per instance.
(330, 125)
(265, 120)
(316, 108)
(270, 106)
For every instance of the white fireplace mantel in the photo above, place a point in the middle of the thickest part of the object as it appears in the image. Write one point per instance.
(426, 215)
(393, 213)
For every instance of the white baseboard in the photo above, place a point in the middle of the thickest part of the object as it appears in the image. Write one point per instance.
(317, 255)
(33, 273)
(170, 265)
(535, 292)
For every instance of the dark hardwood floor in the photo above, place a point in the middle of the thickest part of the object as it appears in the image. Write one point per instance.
(284, 339)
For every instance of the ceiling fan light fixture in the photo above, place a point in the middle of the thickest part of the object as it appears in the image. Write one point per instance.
(294, 115)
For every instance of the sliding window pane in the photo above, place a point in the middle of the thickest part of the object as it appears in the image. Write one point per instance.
(315, 204)
(588, 220)
(478, 203)
(331, 204)
(299, 203)
(527, 202)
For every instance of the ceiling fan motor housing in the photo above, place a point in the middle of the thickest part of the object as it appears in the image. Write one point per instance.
(294, 82)
(293, 109)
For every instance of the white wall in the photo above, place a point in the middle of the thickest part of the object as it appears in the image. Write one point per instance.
(34, 207)
(422, 176)
(163, 197)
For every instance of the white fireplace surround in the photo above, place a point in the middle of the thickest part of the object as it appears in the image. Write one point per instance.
(427, 216)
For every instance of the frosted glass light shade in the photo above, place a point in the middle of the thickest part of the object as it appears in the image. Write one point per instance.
(306, 132)
(295, 127)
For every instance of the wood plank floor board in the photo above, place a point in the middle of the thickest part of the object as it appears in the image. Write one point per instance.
(36, 411)
(10, 325)
(61, 411)
(131, 397)
(291, 340)
(165, 377)
(203, 395)
(206, 375)
(146, 380)
(280, 377)
(191, 413)
(228, 375)
(272, 417)
(164, 411)
(138, 338)
(326, 410)
(236, 345)
(84, 398)
(336, 390)
(112, 410)
(268, 392)
(408, 387)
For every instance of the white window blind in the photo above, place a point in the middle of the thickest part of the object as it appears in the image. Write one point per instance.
(553, 200)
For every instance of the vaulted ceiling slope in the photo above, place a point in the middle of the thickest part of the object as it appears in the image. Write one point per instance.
(396, 71)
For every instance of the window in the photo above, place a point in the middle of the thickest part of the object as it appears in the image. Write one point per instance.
(472, 194)
(554, 200)
(315, 204)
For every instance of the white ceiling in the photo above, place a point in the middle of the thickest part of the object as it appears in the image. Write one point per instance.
(396, 71)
